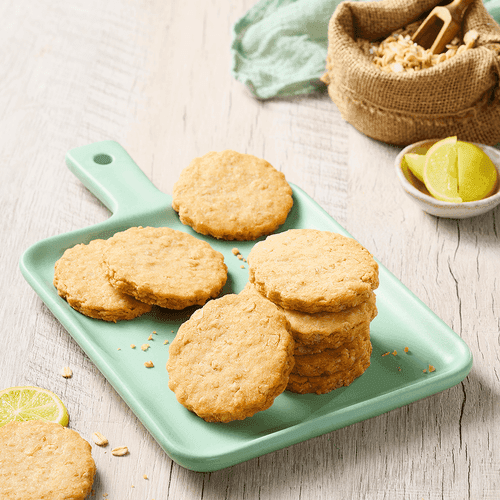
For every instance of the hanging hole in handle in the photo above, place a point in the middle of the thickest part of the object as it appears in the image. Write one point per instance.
(103, 159)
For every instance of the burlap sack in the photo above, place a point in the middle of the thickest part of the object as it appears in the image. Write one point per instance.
(457, 97)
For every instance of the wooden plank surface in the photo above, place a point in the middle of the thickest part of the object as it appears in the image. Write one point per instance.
(155, 76)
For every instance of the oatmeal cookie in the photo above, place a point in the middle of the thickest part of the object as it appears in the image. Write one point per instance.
(333, 341)
(232, 358)
(42, 460)
(232, 196)
(81, 278)
(314, 328)
(329, 361)
(328, 382)
(164, 267)
(313, 271)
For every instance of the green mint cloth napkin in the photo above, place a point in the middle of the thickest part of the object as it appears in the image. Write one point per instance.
(279, 47)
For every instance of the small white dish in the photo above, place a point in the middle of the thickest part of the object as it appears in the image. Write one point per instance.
(419, 194)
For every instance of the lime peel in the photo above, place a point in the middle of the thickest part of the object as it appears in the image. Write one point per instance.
(477, 175)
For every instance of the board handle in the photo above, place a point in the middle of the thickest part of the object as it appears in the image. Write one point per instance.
(110, 174)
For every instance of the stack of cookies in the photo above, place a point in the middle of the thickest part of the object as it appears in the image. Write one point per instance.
(331, 349)
(324, 283)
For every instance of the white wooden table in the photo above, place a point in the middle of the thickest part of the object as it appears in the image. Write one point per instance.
(155, 76)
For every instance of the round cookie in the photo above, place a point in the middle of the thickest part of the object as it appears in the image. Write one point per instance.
(315, 328)
(232, 358)
(232, 196)
(313, 271)
(42, 460)
(164, 267)
(81, 278)
(333, 341)
(329, 361)
(328, 382)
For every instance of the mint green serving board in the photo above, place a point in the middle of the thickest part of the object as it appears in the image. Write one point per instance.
(390, 382)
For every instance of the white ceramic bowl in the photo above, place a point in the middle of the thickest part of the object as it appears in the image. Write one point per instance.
(419, 194)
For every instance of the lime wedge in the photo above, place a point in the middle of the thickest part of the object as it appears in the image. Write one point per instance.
(31, 403)
(441, 170)
(477, 175)
(416, 164)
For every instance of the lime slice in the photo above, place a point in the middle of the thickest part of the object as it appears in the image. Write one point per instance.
(441, 170)
(31, 403)
(416, 164)
(477, 175)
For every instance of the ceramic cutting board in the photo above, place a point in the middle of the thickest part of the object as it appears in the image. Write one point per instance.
(391, 381)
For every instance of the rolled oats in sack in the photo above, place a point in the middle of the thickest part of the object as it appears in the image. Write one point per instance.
(394, 91)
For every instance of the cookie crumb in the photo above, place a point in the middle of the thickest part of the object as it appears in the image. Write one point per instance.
(240, 257)
(99, 439)
(242, 266)
(395, 353)
(386, 353)
(145, 476)
(154, 331)
(424, 370)
(145, 347)
(250, 307)
(431, 368)
(119, 451)
(235, 251)
(66, 372)
(406, 349)
(119, 349)
(165, 342)
(132, 346)
(150, 337)
(149, 364)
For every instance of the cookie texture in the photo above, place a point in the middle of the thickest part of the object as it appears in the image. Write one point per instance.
(232, 196)
(81, 278)
(164, 267)
(42, 460)
(232, 358)
(331, 329)
(333, 341)
(328, 382)
(330, 361)
(313, 271)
